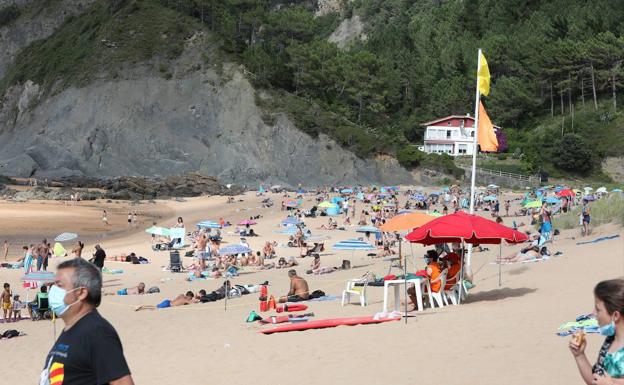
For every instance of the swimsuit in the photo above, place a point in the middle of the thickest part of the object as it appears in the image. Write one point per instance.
(164, 304)
(122, 292)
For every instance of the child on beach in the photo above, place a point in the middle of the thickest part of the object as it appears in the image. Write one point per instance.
(5, 299)
(17, 308)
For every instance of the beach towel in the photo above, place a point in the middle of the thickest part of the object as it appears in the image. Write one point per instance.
(544, 258)
(599, 239)
(325, 298)
(106, 270)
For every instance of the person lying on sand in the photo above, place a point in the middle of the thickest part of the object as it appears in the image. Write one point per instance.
(182, 299)
(526, 254)
(136, 290)
(299, 290)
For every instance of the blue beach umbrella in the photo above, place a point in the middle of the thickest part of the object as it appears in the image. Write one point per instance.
(551, 200)
(64, 237)
(490, 198)
(234, 249)
(367, 229)
(291, 221)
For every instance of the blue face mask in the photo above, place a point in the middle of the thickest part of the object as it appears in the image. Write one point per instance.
(607, 330)
(56, 300)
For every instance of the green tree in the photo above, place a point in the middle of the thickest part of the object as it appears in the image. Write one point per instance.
(573, 155)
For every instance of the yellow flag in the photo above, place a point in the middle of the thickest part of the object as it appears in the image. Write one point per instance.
(484, 75)
(487, 135)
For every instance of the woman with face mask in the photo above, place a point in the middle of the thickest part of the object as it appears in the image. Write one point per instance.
(609, 312)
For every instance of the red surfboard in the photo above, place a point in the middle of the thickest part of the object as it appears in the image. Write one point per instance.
(326, 323)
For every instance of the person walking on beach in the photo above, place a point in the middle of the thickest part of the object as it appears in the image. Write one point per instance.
(6, 249)
(105, 217)
(609, 312)
(134, 219)
(88, 350)
(99, 257)
(42, 253)
(129, 219)
(585, 217)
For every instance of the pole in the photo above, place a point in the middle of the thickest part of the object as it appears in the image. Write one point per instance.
(500, 260)
(404, 278)
(474, 157)
(461, 274)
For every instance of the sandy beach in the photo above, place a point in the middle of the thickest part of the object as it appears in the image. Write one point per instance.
(500, 335)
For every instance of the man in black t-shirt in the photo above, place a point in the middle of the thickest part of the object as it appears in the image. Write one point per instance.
(88, 351)
(99, 257)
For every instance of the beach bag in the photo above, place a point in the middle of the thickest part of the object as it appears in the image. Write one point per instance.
(317, 294)
(153, 290)
(346, 264)
(10, 334)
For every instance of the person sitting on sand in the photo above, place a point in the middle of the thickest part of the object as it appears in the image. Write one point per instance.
(268, 251)
(255, 259)
(180, 300)
(331, 225)
(136, 290)
(387, 251)
(299, 290)
(316, 268)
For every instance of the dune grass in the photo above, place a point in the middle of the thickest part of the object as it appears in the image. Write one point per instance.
(607, 210)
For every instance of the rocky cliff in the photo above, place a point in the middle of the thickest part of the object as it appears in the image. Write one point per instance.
(195, 119)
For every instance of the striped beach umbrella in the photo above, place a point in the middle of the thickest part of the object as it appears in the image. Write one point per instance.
(208, 225)
(38, 276)
(353, 244)
(64, 237)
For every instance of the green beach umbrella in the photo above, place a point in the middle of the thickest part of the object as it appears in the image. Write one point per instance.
(156, 230)
(533, 204)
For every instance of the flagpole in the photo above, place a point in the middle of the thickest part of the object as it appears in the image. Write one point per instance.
(474, 157)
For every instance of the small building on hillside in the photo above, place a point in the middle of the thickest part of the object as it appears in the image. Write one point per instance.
(453, 135)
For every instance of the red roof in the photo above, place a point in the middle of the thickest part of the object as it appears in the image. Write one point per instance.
(450, 117)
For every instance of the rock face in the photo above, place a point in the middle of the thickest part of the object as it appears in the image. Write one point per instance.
(158, 127)
(349, 31)
(200, 119)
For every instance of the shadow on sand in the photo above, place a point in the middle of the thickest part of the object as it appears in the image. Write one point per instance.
(498, 294)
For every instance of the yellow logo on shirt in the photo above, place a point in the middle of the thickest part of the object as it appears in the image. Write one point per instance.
(57, 373)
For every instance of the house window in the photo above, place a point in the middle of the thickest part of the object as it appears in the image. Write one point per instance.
(463, 149)
(448, 134)
(472, 134)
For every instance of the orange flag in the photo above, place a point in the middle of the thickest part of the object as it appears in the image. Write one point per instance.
(487, 135)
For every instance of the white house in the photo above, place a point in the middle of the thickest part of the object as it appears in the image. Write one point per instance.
(452, 135)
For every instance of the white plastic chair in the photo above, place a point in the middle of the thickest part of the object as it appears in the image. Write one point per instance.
(452, 294)
(360, 291)
(437, 296)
